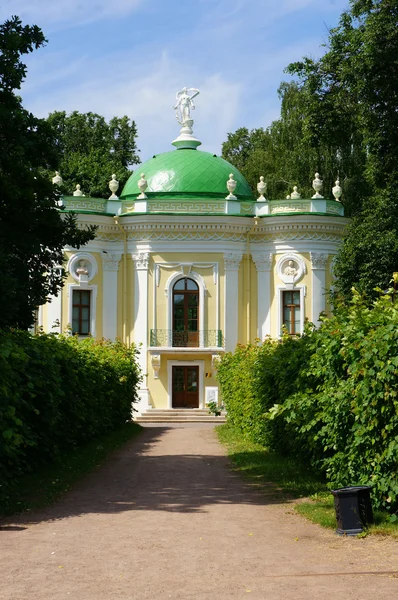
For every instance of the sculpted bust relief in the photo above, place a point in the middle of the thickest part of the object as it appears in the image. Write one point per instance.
(290, 269)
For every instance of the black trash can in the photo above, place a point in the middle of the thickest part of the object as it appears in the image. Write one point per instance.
(353, 509)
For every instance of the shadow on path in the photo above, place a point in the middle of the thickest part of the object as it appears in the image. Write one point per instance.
(140, 478)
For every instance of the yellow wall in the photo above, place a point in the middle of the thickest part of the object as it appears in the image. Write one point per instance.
(159, 387)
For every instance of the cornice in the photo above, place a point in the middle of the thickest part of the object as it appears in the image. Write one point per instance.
(225, 227)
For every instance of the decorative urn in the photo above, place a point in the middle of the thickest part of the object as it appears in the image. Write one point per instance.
(261, 188)
(295, 194)
(231, 186)
(317, 186)
(113, 186)
(142, 184)
(57, 180)
(337, 191)
(78, 191)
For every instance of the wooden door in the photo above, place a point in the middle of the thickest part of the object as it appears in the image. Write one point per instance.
(185, 387)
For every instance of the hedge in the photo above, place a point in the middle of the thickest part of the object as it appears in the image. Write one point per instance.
(57, 392)
(330, 396)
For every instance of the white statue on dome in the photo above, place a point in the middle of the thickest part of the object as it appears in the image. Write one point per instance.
(184, 105)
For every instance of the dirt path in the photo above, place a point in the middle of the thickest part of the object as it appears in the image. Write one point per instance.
(166, 518)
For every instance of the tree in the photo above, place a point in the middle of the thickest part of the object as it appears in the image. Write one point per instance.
(351, 97)
(90, 150)
(33, 232)
(283, 152)
(352, 91)
(369, 255)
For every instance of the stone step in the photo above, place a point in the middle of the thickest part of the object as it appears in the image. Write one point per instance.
(157, 415)
(172, 419)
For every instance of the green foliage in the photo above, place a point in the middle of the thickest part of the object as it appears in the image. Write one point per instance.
(57, 392)
(335, 395)
(90, 150)
(252, 381)
(353, 88)
(287, 155)
(33, 233)
(215, 409)
(273, 471)
(369, 254)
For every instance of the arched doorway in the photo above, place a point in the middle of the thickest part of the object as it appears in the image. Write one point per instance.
(186, 313)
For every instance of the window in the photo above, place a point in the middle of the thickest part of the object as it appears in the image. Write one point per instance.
(185, 313)
(292, 312)
(81, 312)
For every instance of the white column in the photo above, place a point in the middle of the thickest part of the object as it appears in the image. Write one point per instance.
(110, 265)
(263, 264)
(140, 332)
(54, 313)
(231, 265)
(318, 264)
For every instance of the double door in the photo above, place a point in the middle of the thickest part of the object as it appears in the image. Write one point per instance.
(185, 387)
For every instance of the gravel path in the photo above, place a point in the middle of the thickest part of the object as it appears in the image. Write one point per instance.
(166, 518)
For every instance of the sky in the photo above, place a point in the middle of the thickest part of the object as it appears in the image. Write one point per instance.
(130, 57)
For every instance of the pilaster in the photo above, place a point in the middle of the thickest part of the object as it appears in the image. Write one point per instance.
(318, 300)
(110, 266)
(140, 331)
(263, 264)
(232, 262)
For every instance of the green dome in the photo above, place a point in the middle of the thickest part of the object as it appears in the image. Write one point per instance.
(187, 173)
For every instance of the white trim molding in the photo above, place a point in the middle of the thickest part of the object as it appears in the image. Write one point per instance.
(93, 305)
(290, 269)
(198, 279)
(90, 264)
(279, 296)
(185, 363)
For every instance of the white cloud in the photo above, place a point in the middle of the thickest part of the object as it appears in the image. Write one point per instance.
(74, 12)
(147, 96)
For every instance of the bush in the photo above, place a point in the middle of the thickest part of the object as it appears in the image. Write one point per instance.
(57, 392)
(330, 396)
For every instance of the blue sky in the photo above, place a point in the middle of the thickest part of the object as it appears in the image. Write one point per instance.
(117, 57)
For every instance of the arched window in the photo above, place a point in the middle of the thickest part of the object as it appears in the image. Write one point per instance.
(186, 313)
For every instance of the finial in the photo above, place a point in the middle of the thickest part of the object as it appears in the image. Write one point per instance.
(288, 197)
(261, 188)
(337, 191)
(295, 195)
(317, 184)
(142, 184)
(231, 185)
(78, 191)
(57, 180)
(113, 186)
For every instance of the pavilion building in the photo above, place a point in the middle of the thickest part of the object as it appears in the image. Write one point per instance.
(187, 263)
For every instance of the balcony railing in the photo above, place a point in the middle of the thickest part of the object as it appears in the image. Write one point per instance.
(205, 338)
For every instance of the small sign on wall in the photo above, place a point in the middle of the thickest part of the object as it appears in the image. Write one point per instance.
(211, 394)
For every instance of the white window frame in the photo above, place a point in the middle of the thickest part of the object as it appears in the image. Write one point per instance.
(198, 279)
(185, 363)
(279, 293)
(93, 305)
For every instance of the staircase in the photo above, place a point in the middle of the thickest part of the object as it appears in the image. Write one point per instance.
(175, 415)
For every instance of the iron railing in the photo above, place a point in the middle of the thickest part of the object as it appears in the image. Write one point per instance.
(204, 338)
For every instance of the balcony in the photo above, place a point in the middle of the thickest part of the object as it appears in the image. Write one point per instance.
(205, 338)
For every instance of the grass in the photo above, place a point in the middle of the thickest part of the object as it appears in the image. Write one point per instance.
(49, 482)
(289, 478)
